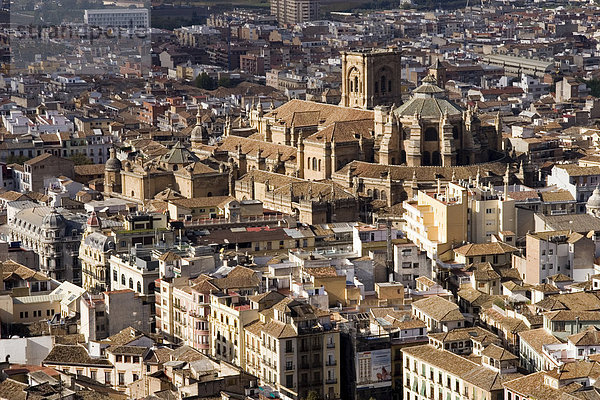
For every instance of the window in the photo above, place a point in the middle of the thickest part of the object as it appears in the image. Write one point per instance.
(121, 378)
(115, 276)
(139, 287)
(131, 283)
(431, 135)
(123, 279)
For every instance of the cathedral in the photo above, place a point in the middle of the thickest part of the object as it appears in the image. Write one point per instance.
(429, 129)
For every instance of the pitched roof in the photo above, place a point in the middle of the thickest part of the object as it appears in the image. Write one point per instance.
(536, 338)
(482, 249)
(498, 353)
(308, 113)
(73, 355)
(439, 309)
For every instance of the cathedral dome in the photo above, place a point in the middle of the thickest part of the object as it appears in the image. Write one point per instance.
(428, 101)
(113, 164)
(594, 200)
(53, 220)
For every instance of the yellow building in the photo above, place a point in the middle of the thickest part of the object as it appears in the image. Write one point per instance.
(94, 251)
(437, 219)
(294, 348)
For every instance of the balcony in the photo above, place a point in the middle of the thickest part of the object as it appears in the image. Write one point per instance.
(331, 363)
(331, 381)
(331, 345)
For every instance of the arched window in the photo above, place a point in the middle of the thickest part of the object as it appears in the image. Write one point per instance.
(390, 85)
(370, 193)
(356, 83)
(455, 132)
(139, 287)
(383, 195)
(436, 159)
(382, 83)
(123, 279)
(376, 194)
(431, 135)
(351, 86)
(209, 194)
(314, 164)
(319, 167)
(376, 87)
(425, 158)
(131, 283)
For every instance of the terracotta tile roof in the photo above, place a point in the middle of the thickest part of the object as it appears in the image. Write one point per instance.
(315, 113)
(270, 151)
(569, 316)
(363, 169)
(90, 169)
(589, 337)
(576, 170)
(73, 355)
(343, 131)
(239, 277)
(558, 196)
(462, 334)
(536, 338)
(196, 202)
(482, 249)
(468, 370)
(439, 309)
(498, 353)
(13, 390)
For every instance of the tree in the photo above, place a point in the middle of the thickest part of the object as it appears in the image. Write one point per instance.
(224, 81)
(594, 85)
(80, 159)
(203, 81)
(16, 159)
(312, 395)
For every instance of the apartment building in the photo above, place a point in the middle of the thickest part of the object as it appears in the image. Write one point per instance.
(553, 252)
(294, 348)
(490, 212)
(439, 314)
(118, 17)
(295, 11)
(579, 181)
(531, 349)
(230, 312)
(431, 373)
(437, 219)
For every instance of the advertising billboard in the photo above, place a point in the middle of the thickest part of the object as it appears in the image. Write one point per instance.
(374, 368)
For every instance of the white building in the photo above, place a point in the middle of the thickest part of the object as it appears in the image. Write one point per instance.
(118, 17)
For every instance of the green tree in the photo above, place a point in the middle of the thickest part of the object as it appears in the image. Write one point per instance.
(80, 159)
(203, 81)
(594, 85)
(312, 395)
(224, 81)
(16, 159)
